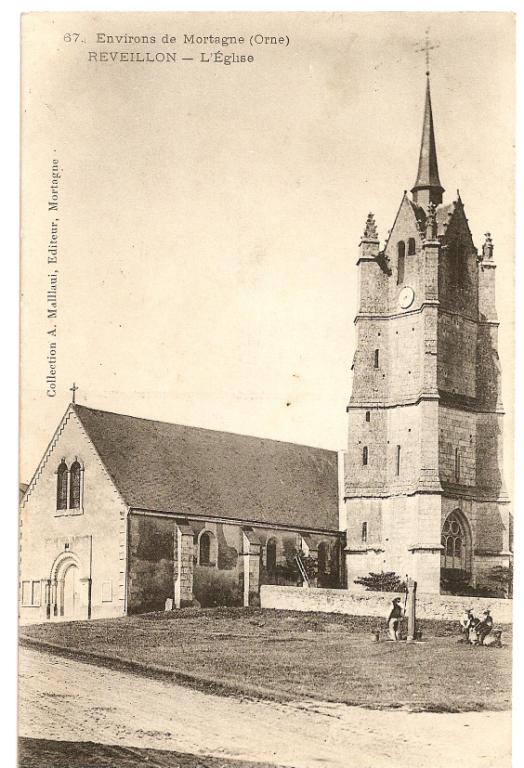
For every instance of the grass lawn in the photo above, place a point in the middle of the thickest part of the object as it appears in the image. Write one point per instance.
(322, 656)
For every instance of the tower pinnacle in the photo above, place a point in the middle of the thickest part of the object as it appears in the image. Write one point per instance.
(370, 231)
(428, 188)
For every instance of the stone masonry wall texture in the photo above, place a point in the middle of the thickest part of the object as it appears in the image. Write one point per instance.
(429, 606)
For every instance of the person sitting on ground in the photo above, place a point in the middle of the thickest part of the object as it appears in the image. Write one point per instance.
(473, 635)
(493, 640)
(484, 627)
(394, 619)
(465, 622)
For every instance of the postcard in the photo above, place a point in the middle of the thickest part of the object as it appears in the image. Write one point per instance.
(267, 333)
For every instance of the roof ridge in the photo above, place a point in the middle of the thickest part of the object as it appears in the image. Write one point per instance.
(75, 406)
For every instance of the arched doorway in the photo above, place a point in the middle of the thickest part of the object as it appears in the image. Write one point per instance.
(455, 557)
(71, 592)
(68, 594)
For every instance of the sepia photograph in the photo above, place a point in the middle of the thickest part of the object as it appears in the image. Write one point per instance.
(266, 468)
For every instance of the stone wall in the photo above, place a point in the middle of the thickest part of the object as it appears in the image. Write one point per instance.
(379, 603)
(457, 354)
(458, 430)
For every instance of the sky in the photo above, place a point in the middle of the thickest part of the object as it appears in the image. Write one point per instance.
(210, 215)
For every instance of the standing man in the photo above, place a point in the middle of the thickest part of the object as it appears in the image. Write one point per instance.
(394, 619)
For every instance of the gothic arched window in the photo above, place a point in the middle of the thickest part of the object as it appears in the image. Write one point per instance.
(205, 549)
(401, 262)
(411, 246)
(75, 479)
(271, 555)
(454, 542)
(61, 486)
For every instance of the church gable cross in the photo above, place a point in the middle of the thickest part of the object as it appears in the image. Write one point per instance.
(73, 389)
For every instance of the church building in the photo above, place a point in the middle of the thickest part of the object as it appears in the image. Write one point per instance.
(424, 488)
(127, 515)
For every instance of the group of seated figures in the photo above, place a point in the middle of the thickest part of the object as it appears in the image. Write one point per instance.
(477, 631)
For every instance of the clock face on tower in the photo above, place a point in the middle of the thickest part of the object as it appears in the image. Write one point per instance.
(406, 297)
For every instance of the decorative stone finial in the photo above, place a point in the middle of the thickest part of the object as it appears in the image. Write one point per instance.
(370, 231)
(431, 222)
(487, 248)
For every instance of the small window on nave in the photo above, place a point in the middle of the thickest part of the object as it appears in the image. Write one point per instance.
(205, 549)
(411, 246)
(271, 555)
(365, 455)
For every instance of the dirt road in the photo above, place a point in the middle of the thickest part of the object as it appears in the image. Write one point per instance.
(68, 700)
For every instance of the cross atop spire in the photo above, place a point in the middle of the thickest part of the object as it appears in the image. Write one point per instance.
(427, 186)
(426, 48)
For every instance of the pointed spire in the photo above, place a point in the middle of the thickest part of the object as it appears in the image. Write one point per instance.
(427, 186)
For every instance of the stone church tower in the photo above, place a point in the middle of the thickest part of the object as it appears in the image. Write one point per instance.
(424, 490)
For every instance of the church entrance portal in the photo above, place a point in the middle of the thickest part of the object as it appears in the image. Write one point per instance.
(71, 595)
(68, 594)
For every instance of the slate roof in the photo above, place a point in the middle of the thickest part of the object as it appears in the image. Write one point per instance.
(443, 215)
(190, 471)
(420, 213)
(427, 175)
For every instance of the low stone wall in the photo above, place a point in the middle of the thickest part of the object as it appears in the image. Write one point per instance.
(378, 603)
